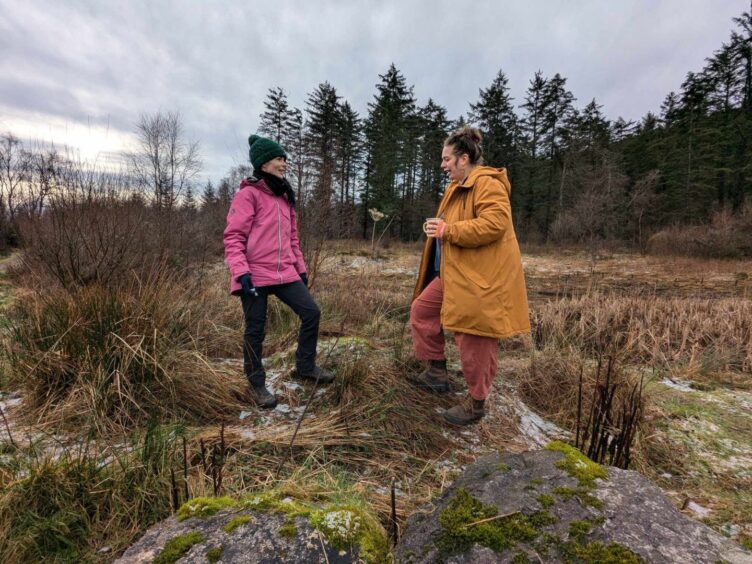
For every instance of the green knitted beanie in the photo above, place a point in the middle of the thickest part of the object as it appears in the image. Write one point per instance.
(263, 150)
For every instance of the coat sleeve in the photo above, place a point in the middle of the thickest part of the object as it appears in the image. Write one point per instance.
(494, 217)
(300, 265)
(239, 223)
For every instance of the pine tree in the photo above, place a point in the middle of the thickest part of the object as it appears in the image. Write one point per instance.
(322, 108)
(209, 196)
(388, 133)
(557, 113)
(494, 115)
(275, 120)
(531, 131)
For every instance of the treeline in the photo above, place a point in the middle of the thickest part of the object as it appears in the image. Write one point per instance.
(576, 175)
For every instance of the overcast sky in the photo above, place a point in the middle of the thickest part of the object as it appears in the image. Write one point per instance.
(81, 72)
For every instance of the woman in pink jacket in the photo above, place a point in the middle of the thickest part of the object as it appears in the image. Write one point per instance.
(263, 254)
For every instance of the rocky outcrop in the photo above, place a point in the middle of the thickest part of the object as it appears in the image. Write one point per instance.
(555, 505)
(262, 528)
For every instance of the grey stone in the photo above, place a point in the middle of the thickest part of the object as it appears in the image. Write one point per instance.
(258, 541)
(634, 514)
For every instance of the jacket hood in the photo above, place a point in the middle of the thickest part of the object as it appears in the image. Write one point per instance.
(254, 182)
(499, 174)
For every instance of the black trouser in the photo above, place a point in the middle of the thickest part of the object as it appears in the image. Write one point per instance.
(295, 295)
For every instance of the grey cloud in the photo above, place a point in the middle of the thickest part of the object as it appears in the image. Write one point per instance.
(214, 62)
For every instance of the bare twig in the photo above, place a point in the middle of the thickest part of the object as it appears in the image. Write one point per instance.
(7, 428)
(494, 518)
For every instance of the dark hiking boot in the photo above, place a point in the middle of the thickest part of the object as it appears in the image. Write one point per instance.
(468, 412)
(263, 397)
(322, 375)
(435, 377)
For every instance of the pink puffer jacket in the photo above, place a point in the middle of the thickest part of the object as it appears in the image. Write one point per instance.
(261, 237)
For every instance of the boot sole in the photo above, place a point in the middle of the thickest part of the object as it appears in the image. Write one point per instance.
(460, 422)
(268, 405)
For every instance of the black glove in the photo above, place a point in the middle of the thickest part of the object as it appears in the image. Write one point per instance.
(247, 284)
(304, 278)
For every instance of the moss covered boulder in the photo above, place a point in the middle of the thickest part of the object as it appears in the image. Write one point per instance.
(264, 527)
(555, 505)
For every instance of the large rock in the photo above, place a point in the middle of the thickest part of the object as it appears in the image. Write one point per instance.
(224, 530)
(556, 506)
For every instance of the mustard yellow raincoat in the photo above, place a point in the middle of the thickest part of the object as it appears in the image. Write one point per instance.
(481, 267)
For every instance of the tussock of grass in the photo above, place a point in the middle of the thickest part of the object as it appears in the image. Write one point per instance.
(118, 356)
(59, 506)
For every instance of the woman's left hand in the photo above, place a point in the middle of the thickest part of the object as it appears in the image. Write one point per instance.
(435, 227)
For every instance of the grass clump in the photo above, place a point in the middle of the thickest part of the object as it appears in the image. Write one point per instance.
(578, 465)
(117, 356)
(214, 554)
(237, 522)
(178, 547)
(61, 506)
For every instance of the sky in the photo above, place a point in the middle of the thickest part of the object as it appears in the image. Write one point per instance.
(80, 73)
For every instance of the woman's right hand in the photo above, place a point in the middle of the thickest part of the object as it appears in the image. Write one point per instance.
(247, 284)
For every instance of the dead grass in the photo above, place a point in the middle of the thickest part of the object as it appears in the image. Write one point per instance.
(653, 331)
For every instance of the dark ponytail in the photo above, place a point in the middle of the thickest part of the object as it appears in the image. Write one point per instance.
(466, 140)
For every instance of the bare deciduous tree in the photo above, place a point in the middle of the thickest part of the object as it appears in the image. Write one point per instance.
(165, 162)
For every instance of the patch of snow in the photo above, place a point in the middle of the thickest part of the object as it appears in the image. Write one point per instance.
(244, 414)
(698, 509)
(282, 408)
(681, 386)
(247, 433)
(537, 430)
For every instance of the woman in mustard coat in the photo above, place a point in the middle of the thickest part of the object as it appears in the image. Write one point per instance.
(470, 279)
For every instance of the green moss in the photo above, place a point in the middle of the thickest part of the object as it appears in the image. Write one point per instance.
(177, 547)
(288, 530)
(458, 532)
(235, 523)
(595, 551)
(578, 465)
(503, 467)
(348, 525)
(344, 525)
(747, 543)
(273, 501)
(204, 507)
(520, 558)
(546, 500)
(580, 528)
(585, 498)
(536, 482)
(214, 554)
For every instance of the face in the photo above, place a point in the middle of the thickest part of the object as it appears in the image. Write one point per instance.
(454, 166)
(277, 166)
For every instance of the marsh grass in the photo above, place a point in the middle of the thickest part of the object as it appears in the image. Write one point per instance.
(111, 357)
(62, 506)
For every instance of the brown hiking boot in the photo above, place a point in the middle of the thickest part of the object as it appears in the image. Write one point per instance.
(434, 378)
(468, 412)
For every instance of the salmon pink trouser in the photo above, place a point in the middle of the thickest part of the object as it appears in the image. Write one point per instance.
(478, 355)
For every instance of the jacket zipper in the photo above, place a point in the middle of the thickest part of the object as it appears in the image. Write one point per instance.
(279, 241)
